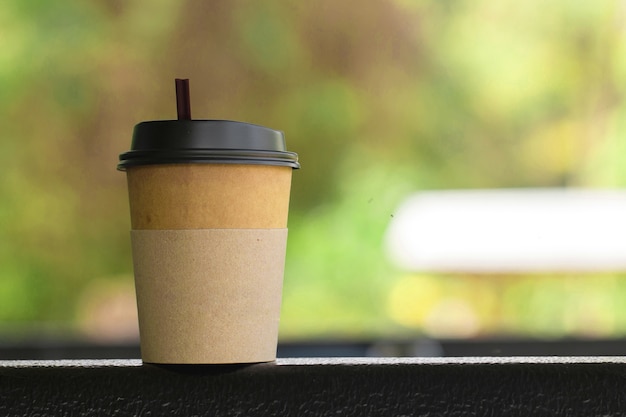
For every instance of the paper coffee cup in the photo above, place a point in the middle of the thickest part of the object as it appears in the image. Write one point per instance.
(209, 203)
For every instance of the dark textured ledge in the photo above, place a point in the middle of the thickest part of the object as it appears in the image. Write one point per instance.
(576, 386)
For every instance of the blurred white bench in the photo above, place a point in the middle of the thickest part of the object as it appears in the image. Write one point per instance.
(510, 230)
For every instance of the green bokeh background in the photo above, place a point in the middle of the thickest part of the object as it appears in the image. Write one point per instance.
(380, 99)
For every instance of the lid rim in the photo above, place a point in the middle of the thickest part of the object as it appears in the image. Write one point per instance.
(206, 151)
(122, 166)
(158, 157)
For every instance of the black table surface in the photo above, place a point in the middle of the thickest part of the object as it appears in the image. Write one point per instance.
(465, 386)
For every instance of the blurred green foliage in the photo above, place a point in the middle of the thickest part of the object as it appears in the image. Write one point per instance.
(379, 100)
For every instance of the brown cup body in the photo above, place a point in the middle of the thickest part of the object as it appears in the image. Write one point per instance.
(209, 196)
(209, 245)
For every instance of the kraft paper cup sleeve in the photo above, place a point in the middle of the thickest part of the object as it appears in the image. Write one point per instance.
(209, 295)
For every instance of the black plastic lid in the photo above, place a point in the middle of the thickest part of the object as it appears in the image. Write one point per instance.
(206, 141)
